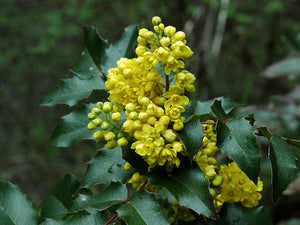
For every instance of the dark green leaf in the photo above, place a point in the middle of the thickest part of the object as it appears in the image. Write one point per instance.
(15, 207)
(60, 198)
(122, 48)
(75, 220)
(134, 159)
(284, 67)
(204, 107)
(283, 165)
(73, 128)
(192, 136)
(71, 91)
(190, 188)
(236, 214)
(265, 132)
(95, 44)
(115, 193)
(237, 140)
(217, 109)
(105, 167)
(293, 142)
(142, 210)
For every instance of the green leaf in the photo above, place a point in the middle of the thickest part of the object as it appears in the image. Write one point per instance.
(15, 206)
(265, 132)
(236, 214)
(105, 167)
(202, 108)
(192, 136)
(79, 219)
(122, 48)
(71, 91)
(218, 110)
(95, 44)
(190, 188)
(142, 210)
(282, 68)
(73, 127)
(237, 140)
(60, 198)
(115, 193)
(283, 165)
(293, 142)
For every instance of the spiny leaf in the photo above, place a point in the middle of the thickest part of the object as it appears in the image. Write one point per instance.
(237, 140)
(60, 198)
(71, 91)
(105, 167)
(192, 136)
(190, 188)
(218, 110)
(73, 128)
(122, 48)
(142, 210)
(115, 193)
(80, 219)
(15, 207)
(284, 67)
(283, 165)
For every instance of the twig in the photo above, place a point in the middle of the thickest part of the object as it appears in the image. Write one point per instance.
(111, 219)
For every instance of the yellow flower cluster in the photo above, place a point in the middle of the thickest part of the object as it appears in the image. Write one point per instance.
(139, 181)
(237, 187)
(151, 106)
(205, 156)
(181, 212)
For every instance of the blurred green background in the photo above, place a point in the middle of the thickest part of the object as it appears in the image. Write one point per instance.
(233, 43)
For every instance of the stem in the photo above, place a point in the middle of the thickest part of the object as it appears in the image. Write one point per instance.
(212, 123)
(167, 82)
(143, 185)
(111, 219)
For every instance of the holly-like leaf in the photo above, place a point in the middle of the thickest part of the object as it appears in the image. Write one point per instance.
(80, 219)
(73, 127)
(115, 193)
(218, 110)
(204, 108)
(142, 209)
(192, 136)
(283, 68)
(190, 188)
(105, 167)
(293, 142)
(236, 214)
(283, 165)
(15, 207)
(71, 91)
(122, 48)
(60, 198)
(237, 140)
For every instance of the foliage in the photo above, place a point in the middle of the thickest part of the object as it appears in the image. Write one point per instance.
(194, 187)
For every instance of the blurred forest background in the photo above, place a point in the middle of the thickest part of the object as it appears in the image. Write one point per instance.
(234, 44)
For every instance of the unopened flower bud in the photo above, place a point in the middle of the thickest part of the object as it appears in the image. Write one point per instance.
(161, 26)
(128, 167)
(92, 116)
(116, 116)
(136, 177)
(104, 125)
(130, 107)
(92, 126)
(169, 136)
(107, 107)
(144, 101)
(122, 142)
(116, 108)
(142, 32)
(179, 36)
(156, 20)
(133, 115)
(98, 135)
(100, 105)
(218, 180)
(165, 41)
(213, 192)
(109, 136)
(165, 120)
(143, 116)
(210, 173)
(169, 31)
(98, 121)
(111, 144)
(96, 111)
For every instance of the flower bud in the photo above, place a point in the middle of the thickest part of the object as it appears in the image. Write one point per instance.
(100, 105)
(179, 36)
(142, 32)
(136, 177)
(104, 125)
(98, 135)
(133, 115)
(98, 121)
(109, 136)
(143, 116)
(169, 135)
(92, 126)
(116, 117)
(96, 111)
(107, 107)
(218, 180)
(111, 144)
(122, 142)
(165, 41)
(128, 167)
(169, 31)
(161, 26)
(144, 101)
(116, 108)
(156, 20)
(130, 107)
(210, 173)
(92, 116)
(178, 125)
